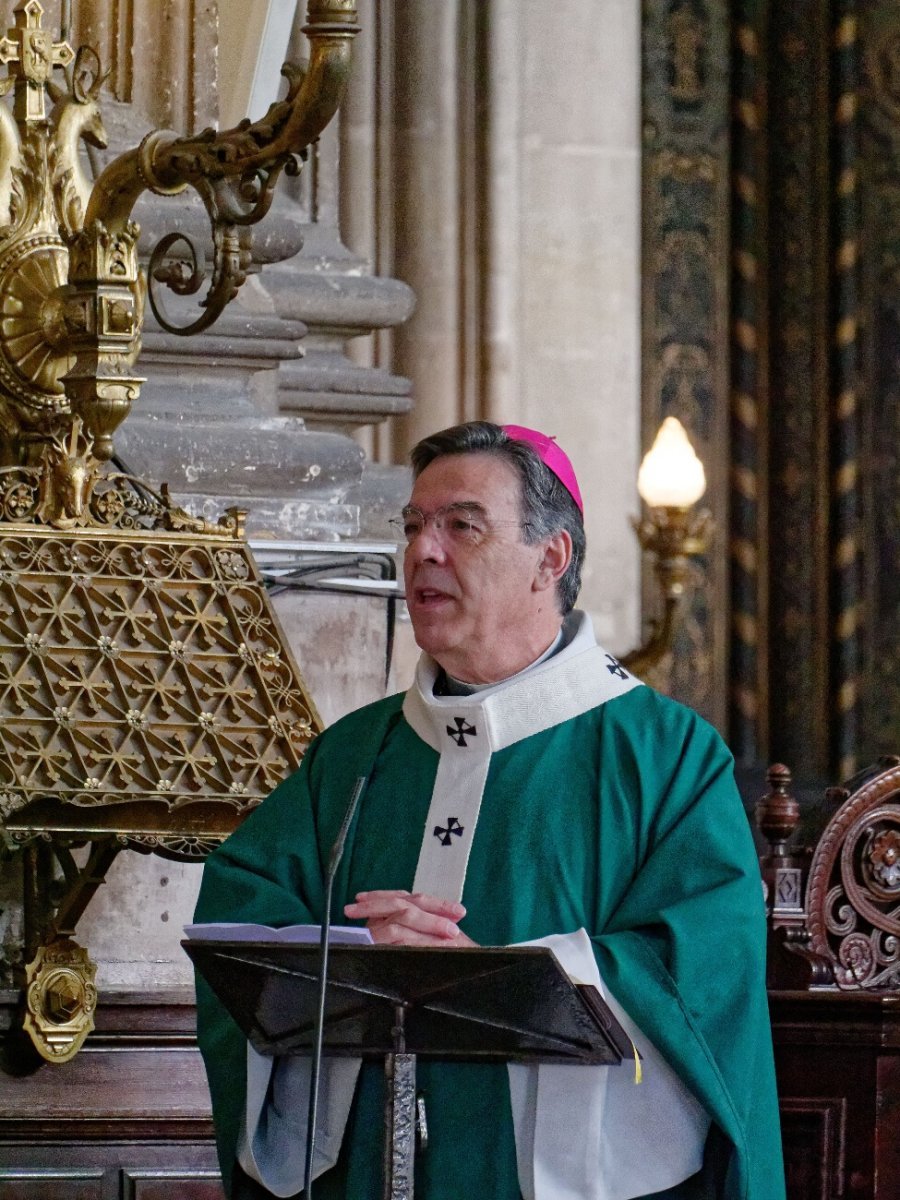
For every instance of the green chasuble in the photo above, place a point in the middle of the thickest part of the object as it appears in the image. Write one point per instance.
(624, 821)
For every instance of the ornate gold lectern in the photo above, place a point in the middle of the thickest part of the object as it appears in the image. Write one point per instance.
(147, 697)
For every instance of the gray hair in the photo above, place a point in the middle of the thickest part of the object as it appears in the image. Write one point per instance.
(547, 506)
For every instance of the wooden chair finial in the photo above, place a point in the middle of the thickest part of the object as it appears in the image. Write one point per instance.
(777, 813)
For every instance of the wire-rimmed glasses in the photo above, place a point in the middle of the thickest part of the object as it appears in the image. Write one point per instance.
(463, 522)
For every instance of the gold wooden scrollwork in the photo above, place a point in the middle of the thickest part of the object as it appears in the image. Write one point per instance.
(148, 699)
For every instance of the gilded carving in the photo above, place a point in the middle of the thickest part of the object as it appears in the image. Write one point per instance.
(135, 671)
(72, 292)
(60, 999)
(32, 55)
(147, 698)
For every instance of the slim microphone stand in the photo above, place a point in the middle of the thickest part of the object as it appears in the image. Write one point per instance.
(337, 853)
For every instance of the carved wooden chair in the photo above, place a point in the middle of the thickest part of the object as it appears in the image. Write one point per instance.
(836, 904)
(833, 910)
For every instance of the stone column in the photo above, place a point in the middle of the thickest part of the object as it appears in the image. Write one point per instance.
(161, 55)
(342, 294)
(492, 161)
(578, 151)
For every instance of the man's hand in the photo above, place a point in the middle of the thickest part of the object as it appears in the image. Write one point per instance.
(410, 919)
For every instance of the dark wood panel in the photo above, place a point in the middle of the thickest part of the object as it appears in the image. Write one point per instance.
(138, 1075)
(163, 1185)
(879, 148)
(887, 1131)
(837, 1058)
(74, 1184)
(813, 1132)
(797, 263)
(127, 1119)
(72, 1170)
(150, 1084)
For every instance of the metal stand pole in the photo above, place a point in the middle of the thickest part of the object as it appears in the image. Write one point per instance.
(399, 1116)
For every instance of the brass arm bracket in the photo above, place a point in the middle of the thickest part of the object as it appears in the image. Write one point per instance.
(234, 172)
(71, 335)
(673, 536)
(59, 976)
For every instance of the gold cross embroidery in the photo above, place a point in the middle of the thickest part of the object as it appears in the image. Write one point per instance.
(31, 54)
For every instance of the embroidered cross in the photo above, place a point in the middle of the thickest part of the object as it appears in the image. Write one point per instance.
(462, 731)
(445, 835)
(615, 667)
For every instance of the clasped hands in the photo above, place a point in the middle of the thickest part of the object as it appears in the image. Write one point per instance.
(397, 918)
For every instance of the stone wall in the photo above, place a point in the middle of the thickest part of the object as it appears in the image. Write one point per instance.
(491, 159)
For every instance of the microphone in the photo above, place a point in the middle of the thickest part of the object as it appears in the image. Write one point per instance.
(334, 861)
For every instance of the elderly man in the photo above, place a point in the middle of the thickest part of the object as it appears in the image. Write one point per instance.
(526, 788)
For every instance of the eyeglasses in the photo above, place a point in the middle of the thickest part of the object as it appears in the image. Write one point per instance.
(467, 524)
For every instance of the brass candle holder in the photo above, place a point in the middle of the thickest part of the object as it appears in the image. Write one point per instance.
(672, 530)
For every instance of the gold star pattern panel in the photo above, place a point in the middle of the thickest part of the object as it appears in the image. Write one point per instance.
(142, 668)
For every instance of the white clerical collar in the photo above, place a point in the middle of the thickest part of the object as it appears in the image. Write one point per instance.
(580, 676)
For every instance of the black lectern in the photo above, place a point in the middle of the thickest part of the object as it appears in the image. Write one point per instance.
(395, 1003)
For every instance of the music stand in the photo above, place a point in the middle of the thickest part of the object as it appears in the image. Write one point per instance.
(397, 1003)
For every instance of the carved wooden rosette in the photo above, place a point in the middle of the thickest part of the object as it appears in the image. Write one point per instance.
(853, 890)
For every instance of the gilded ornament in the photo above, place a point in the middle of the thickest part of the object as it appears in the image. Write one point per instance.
(60, 999)
(147, 700)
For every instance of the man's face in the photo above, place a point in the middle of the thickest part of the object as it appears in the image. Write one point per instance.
(481, 608)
